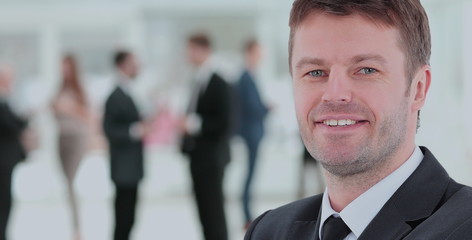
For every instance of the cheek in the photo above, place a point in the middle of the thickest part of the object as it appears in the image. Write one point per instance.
(383, 106)
(305, 100)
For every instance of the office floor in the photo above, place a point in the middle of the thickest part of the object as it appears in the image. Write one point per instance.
(166, 208)
(169, 218)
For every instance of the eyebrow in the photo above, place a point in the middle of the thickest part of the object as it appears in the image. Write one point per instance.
(369, 57)
(310, 61)
(356, 59)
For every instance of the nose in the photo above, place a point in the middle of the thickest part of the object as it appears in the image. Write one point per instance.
(338, 88)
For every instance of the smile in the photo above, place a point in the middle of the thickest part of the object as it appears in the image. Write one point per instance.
(339, 123)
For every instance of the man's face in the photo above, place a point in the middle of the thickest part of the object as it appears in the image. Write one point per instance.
(350, 92)
(132, 66)
(195, 54)
(254, 55)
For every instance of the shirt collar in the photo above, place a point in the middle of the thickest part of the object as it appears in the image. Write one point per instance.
(360, 212)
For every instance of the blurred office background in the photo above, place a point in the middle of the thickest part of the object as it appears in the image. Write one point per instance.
(34, 35)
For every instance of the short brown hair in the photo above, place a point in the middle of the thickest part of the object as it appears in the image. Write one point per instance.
(408, 16)
(120, 57)
(201, 40)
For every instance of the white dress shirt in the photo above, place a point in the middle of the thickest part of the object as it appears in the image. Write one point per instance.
(201, 80)
(360, 212)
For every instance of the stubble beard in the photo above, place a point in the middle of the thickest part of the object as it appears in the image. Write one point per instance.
(372, 153)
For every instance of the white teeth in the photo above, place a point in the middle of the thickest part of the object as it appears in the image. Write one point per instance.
(343, 122)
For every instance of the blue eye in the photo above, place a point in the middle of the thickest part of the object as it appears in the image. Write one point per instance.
(368, 71)
(316, 73)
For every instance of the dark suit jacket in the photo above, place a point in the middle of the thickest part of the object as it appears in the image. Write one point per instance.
(11, 127)
(429, 205)
(126, 153)
(214, 109)
(252, 110)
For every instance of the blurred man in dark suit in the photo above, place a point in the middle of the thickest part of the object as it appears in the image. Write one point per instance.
(11, 149)
(252, 112)
(206, 137)
(124, 130)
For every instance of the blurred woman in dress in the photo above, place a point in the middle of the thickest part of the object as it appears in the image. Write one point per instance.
(72, 115)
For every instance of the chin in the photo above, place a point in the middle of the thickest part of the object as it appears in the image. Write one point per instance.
(337, 159)
(338, 156)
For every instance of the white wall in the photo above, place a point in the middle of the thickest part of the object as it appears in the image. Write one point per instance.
(444, 116)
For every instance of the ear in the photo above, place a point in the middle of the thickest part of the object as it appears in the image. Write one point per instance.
(420, 86)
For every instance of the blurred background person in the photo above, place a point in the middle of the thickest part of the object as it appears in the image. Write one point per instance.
(252, 112)
(206, 131)
(125, 131)
(72, 116)
(12, 127)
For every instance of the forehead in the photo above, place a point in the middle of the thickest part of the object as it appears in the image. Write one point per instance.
(334, 37)
(193, 45)
(130, 58)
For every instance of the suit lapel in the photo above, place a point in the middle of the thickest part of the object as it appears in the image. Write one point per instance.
(203, 98)
(303, 230)
(388, 224)
(307, 227)
(128, 101)
(317, 227)
(412, 203)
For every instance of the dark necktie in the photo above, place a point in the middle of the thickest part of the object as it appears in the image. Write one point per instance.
(335, 229)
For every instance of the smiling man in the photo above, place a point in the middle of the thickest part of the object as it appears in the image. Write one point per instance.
(361, 74)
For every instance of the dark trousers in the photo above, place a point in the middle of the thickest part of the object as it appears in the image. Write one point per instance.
(125, 208)
(207, 176)
(253, 147)
(5, 198)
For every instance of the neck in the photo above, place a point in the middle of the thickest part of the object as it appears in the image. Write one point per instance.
(250, 65)
(345, 189)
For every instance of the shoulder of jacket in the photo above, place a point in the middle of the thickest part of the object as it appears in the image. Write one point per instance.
(282, 218)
